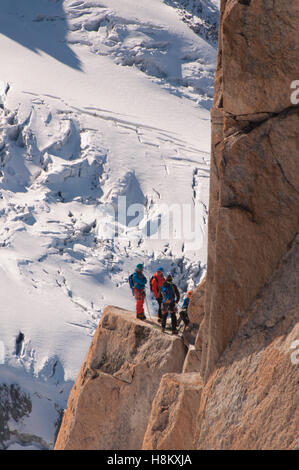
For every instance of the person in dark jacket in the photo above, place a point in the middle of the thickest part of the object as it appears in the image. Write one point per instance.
(170, 297)
(139, 281)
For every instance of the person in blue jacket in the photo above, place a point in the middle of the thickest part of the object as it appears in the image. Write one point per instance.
(170, 297)
(184, 311)
(139, 283)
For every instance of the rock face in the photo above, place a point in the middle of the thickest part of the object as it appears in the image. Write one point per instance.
(259, 55)
(254, 189)
(111, 400)
(251, 400)
(196, 306)
(196, 316)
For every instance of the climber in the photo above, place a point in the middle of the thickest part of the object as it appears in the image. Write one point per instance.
(184, 311)
(170, 297)
(156, 282)
(137, 282)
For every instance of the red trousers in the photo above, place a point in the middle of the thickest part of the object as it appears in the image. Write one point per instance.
(139, 296)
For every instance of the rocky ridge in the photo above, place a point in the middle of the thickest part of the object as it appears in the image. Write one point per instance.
(111, 400)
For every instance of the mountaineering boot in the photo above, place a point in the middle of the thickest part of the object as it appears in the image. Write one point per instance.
(141, 316)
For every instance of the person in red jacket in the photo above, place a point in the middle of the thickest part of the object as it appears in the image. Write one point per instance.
(157, 281)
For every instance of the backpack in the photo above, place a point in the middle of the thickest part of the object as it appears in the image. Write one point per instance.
(131, 282)
(167, 291)
(170, 292)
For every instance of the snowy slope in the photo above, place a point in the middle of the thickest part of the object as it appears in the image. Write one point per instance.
(103, 117)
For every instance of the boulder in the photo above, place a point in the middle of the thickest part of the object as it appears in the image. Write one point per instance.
(111, 400)
(172, 421)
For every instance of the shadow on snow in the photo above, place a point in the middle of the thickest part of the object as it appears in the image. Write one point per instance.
(39, 25)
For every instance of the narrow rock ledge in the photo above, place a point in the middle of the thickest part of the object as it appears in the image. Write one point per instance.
(110, 403)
